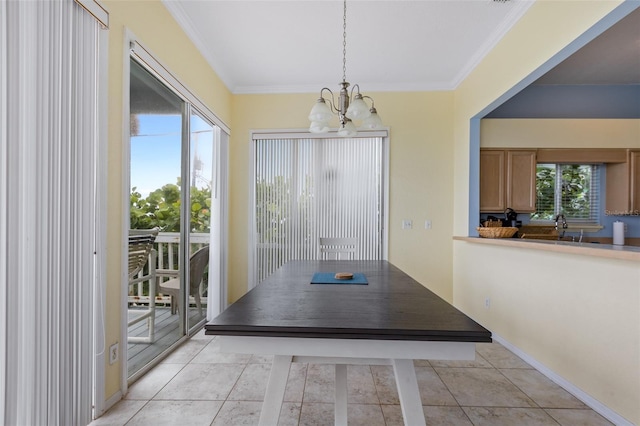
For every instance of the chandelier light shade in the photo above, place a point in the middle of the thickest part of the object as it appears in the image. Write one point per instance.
(373, 121)
(346, 109)
(320, 111)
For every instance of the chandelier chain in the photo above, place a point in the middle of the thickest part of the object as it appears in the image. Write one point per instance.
(344, 42)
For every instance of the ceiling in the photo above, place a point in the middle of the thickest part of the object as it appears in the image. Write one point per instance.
(267, 46)
(612, 58)
(295, 46)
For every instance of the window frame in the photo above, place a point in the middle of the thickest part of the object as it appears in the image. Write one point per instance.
(595, 214)
(304, 134)
(135, 50)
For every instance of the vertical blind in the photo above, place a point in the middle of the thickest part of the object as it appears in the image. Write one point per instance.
(312, 188)
(49, 134)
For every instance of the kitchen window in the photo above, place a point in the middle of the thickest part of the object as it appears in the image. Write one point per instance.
(569, 189)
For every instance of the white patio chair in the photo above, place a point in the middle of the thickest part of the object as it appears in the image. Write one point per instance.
(141, 253)
(197, 265)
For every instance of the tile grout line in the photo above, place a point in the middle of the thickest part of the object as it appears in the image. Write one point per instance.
(451, 393)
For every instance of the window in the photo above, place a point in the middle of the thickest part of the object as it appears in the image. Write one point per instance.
(307, 188)
(569, 189)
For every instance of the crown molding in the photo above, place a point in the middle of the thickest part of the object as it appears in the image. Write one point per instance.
(178, 13)
(518, 10)
(371, 88)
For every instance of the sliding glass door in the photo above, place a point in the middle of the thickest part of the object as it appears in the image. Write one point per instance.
(173, 153)
(309, 188)
(201, 177)
(156, 145)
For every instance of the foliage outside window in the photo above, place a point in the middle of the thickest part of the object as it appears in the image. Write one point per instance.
(569, 189)
(161, 208)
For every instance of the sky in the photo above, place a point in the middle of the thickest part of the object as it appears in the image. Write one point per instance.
(156, 151)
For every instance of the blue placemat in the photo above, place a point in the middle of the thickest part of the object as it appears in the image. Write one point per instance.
(329, 278)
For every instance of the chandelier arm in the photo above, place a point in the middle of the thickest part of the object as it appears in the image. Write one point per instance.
(354, 88)
(373, 105)
(332, 100)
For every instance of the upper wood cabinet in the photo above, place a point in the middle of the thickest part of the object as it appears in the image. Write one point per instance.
(507, 180)
(634, 180)
(623, 185)
(492, 180)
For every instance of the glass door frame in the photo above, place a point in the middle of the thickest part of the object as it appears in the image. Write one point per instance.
(217, 280)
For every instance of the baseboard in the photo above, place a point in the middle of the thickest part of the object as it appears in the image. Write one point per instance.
(115, 398)
(587, 399)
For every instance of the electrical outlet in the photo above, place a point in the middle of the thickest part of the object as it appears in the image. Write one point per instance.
(427, 224)
(487, 303)
(407, 224)
(113, 353)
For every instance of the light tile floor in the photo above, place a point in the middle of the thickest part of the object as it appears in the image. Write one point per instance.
(198, 385)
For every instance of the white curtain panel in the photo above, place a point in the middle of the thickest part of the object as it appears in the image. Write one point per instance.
(49, 134)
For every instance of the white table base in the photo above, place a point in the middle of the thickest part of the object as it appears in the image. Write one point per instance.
(398, 353)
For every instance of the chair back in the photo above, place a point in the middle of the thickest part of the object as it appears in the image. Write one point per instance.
(338, 248)
(140, 245)
(197, 264)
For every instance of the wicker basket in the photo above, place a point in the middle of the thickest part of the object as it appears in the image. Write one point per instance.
(492, 223)
(497, 232)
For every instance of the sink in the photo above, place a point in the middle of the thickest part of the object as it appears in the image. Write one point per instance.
(529, 236)
(538, 232)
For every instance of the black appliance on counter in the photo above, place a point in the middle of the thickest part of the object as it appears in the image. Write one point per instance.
(511, 218)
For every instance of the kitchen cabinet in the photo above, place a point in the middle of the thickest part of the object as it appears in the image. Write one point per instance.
(507, 180)
(634, 180)
(492, 180)
(623, 185)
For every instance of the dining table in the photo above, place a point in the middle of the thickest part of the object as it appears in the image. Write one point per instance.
(373, 313)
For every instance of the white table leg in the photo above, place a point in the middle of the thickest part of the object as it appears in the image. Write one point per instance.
(274, 394)
(408, 392)
(341, 395)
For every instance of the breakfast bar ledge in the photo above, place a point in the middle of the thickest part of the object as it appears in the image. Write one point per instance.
(586, 249)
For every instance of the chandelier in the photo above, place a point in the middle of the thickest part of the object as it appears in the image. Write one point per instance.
(346, 110)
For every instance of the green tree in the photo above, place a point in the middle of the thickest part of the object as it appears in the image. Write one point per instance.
(161, 208)
(576, 190)
(574, 200)
(545, 192)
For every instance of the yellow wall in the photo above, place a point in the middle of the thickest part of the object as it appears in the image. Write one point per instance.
(156, 30)
(560, 133)
(420, 179)
(578, 316)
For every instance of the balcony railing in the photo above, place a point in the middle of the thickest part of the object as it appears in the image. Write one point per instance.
(167, 247)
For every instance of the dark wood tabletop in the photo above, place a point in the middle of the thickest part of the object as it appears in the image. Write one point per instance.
(393, 306)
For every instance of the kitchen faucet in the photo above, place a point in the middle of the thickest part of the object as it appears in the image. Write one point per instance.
(564, 224)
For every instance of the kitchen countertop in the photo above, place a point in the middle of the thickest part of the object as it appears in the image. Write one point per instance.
(586, 249)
